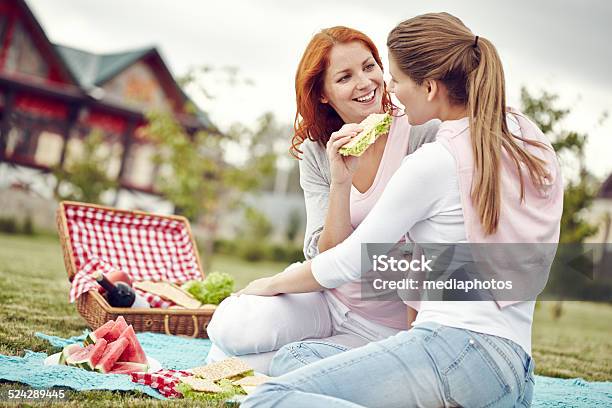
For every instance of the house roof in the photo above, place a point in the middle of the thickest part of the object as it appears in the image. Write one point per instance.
(93, 70)
(88, 70)
(42, 41)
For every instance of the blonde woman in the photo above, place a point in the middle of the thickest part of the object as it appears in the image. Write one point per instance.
(491, 176)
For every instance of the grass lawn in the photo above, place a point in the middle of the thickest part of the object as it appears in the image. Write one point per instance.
(34, 297)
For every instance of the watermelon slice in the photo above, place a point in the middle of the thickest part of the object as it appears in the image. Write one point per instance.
(80, 357)
(118, 328)
(68, 351)
(111, 355)
(99, 332)
(87, 357)
(134, 352)
(96, 354)
(128, 368)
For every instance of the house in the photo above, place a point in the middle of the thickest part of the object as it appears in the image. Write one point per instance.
(52, 96)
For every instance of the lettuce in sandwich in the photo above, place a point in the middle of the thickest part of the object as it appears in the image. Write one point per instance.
(373, 126)
(226, 390)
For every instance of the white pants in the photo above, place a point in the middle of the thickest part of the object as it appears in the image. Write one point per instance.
(254, 327)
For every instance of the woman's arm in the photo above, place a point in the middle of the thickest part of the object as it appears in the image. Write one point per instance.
(338, 219)
(326, 178)
(342, 168)
(316, 200)
(416, 192)
(338, 222)
(327, 206)
(292, 280)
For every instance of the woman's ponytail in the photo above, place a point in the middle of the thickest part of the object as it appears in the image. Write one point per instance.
(490, 136)
(486, 108)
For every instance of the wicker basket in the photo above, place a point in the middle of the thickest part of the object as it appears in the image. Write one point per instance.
(96, 310)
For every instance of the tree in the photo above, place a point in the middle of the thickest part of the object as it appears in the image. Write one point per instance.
(294, 223)
(197, 177)
(257, 227)
(85, 176)
(579, 192)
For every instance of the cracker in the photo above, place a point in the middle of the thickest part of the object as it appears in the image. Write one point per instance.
(252, 380)
(219, 370)
(201, 384)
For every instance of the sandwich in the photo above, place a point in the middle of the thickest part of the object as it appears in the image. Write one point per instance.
(215, 381)
(202, 389)
(201, 384)
(231, 369)
(249, 383)
(373, 126)
(219, 381)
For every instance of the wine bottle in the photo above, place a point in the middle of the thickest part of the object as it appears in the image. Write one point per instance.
(118, 294)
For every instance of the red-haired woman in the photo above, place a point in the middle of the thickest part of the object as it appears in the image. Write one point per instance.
(339, 81)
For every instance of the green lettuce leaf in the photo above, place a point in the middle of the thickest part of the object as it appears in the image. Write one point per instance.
(383, 126)
(229, 391)
(372, 135)
(212, 290)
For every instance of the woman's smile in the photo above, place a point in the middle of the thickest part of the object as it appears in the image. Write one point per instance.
(367, 98)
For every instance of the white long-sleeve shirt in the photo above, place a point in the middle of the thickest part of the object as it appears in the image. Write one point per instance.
(423, 198)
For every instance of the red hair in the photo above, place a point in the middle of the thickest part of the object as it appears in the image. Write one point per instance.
(315, 120)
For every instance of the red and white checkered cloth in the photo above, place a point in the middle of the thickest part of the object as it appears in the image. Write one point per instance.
(164, 381)
(154, 300)
(146, 247)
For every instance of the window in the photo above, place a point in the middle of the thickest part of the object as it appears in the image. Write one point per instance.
(49, 148)
(140, 166)
(22, 142)
(111, 149)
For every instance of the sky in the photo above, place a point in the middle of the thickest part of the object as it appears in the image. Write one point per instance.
(560, 46)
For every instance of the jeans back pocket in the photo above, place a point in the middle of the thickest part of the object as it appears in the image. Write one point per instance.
(474, 379)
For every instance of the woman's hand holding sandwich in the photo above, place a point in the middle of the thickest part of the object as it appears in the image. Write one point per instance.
(342, 168)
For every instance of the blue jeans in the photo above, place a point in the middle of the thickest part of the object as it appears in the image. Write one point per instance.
(428, 366)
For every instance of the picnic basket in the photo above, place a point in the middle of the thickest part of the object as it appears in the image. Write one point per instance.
(146, 246)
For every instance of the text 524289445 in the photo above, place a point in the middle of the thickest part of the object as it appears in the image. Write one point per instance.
(32, 395)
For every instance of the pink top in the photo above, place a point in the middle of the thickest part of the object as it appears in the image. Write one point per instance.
(533, 219)
(388, 313)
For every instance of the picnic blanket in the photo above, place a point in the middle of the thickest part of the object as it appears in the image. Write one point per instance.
(574, 392)
(174, 354)
(179, 353)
